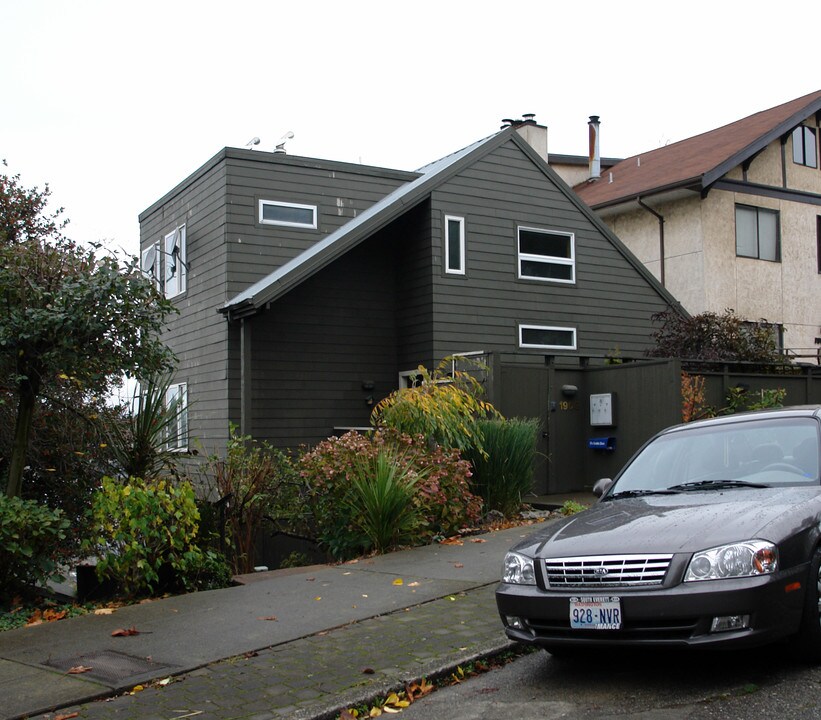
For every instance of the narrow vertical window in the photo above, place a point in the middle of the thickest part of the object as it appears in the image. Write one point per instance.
(174, 260)
(454, 245)
(176, 402)
(804, 146)
(150, 264)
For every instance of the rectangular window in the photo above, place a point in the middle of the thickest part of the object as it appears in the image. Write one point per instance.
(804, 146)
(150, 264)
(775, 330)
(546, 255)
(173, 257)
(287, 214)
(454, 245)
(546, 337)
(757, 233)
(176, 401)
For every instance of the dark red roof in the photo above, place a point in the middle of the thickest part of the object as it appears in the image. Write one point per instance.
(697, 161)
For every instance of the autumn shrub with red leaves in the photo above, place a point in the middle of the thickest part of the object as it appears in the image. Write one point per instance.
(442, 494)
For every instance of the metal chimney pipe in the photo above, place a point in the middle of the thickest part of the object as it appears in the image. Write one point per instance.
(595, 154)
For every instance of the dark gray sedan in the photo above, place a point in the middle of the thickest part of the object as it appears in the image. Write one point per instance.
(710, 535)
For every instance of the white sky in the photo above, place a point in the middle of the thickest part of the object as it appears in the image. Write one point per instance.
(113, 103)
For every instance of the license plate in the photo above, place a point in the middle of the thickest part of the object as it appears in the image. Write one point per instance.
(595, 613)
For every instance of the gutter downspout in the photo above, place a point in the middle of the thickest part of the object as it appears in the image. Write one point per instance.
(660, 218)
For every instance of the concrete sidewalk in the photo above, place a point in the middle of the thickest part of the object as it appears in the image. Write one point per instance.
(288, 644)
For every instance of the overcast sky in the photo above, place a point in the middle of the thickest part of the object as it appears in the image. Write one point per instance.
(113, 103)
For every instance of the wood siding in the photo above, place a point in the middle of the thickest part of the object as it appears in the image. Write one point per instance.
(317, 349)
(198, 335)
(609, 304)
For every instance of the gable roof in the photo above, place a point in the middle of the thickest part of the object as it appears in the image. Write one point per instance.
(697, 162)
(392, 206)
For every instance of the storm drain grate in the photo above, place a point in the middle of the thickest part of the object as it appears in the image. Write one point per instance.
(107, 665)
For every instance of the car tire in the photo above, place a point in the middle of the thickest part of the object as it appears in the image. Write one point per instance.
(809, 634)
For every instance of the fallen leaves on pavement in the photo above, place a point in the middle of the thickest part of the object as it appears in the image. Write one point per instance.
(78, 669)
(125, 632)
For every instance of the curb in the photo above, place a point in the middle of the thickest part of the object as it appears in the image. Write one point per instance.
(331, 710)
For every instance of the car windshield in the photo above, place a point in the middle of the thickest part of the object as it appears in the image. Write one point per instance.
(744, 454)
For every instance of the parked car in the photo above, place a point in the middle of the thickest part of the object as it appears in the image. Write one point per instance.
(709, 536)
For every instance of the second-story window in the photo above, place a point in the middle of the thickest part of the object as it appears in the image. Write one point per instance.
(757, 233)
(804, 146)
(547, 255)
(173, 259)
(287, 214)
(454, 245)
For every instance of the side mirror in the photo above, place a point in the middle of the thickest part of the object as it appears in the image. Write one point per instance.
(602, 486)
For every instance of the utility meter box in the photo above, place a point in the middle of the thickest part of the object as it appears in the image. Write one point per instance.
(603, 410)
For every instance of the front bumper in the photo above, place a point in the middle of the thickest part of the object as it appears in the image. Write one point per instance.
(678, 615)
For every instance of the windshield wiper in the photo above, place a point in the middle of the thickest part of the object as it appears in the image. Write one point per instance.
(639, 493)
(716, 485)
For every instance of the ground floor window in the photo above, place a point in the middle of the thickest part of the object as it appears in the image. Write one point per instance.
(547, 337)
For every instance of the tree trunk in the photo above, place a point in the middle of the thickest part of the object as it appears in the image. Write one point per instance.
(22, 431)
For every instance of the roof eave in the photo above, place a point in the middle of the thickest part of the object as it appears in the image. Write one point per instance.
(777, 132)
(322, 258)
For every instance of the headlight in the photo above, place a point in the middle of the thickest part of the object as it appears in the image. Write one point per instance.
(756, 557)
(518, 570)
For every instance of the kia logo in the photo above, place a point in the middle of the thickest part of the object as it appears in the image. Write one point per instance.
(600, 571)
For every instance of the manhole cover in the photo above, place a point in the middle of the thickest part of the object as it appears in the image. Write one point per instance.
(108, 665)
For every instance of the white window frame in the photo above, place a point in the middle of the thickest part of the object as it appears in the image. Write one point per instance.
(523, 327)
(177, 282)
(546, 259)
(152, 272)
(461, 221)
(178, 439)
(263, 221)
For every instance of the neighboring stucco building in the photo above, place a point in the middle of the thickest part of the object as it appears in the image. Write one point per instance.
(730, 218)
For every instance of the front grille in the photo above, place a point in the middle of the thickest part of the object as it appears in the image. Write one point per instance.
(606, 571)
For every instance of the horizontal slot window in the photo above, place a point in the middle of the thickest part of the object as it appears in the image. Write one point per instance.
(288, 214)
(547, 337)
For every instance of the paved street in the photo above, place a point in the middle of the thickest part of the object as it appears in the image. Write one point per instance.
(645, 685)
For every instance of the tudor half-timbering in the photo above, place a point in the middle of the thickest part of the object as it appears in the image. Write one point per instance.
(308, 289)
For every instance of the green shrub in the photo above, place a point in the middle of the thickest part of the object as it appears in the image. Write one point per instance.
(504, 473)
(441, 491)
(144, 534)
(443, 406)
(256, 483)
(380, 500)
(30, 537)
(571, 507)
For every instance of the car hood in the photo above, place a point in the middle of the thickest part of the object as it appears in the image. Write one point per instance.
(685, 522)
